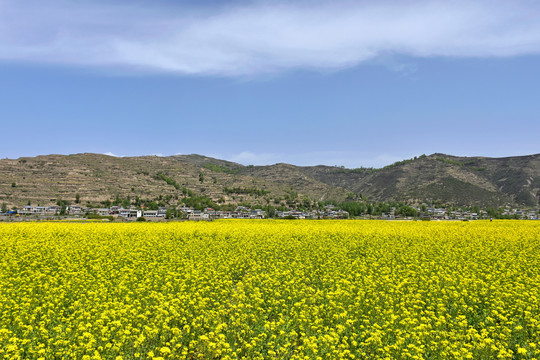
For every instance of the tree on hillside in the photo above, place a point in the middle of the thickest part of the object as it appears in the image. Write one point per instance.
(61, 202)
(4, 208)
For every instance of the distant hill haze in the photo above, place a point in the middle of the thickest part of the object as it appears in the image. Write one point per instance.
(440, 178)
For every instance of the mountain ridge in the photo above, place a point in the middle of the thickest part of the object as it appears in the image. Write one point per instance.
(446, 179)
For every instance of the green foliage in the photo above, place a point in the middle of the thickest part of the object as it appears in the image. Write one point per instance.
(408, 211)
(270, 211)
(450, 161)
(61, 202)
(397, 163)
(227, 207)
(493, 212)
(169, 181)
(291, 194)
(354, 208)
(99, 217)
(141, 219)
(187, 192)
(13, 184)
(117, 201)
(354, 196)
(248, 191)
(77, 198)
(221, 169)
(4, 208)
(380, 208)
(200, 202)
(151, 205)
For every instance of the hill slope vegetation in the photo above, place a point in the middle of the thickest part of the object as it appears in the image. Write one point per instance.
(95, 178)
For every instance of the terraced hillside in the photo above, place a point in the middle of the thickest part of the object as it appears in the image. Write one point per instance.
(513, 181)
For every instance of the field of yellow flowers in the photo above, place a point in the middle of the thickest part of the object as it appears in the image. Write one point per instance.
(270, 289)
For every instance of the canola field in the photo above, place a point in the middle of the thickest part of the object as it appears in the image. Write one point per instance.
(270, 290)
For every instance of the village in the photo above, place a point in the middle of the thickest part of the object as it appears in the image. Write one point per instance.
(162, 213)
(120, 213)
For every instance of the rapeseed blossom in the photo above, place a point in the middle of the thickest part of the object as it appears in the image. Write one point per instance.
(270, 290)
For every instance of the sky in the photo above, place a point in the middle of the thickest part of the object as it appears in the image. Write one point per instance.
(347, 83)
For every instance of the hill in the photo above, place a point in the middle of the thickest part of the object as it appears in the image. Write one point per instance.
(95, 178)
(444, 178)
(98, 178)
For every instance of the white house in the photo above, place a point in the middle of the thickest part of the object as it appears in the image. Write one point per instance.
(150, 213)
(130, 213)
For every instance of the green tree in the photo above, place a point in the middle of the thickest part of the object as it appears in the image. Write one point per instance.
(408, 211)
(493, 212)
(13, 184)
(77, 198)
(4, 208)
(152, 205)
(201, 177)
(270, 211)
(61, 202)
(354, 208)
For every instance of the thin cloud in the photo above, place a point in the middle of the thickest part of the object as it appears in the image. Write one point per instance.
(252, 158)
(262, 37)
(111, 154)
(349, 159)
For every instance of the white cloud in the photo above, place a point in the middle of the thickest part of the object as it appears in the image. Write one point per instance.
(263, 37)
(111, 154)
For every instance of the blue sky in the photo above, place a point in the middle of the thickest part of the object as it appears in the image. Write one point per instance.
(352, 83)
